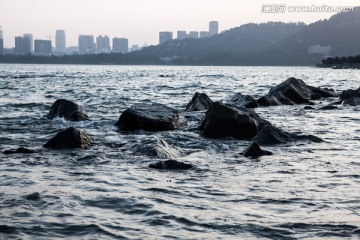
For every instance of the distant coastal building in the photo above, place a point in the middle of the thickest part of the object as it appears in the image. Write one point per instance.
(22, 45)
(42, 47)
(165, 36)
(317, 49)
(103, 44)
(181, 35)
(193, 34)
(120, 45)
(30, 36)
(86, 44)
(60, 41)
(134, 48)
(213, 28)
(204, 34)
(1, 42)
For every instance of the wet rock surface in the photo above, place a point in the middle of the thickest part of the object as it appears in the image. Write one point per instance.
(150, 117)
(243, 101)
(68, 110)
(19, 150)
(69, 138)
(254, 150)
(171, 165)
(223, 120)
(199, 102)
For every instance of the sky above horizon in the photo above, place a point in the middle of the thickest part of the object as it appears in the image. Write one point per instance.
(140, 20)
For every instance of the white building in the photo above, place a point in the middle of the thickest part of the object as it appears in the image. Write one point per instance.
(181, 35)
(120, 45)
(213, 28)
(103, 44)
(30, 36)
(60, 41)
(193, 34)
(165, 36)
(204, 34)
(86, 44)
(317, 49)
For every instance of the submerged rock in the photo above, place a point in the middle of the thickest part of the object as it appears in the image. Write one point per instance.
(243, 101)
(347, 94)
(69, 138)
(171, 165)
(68, 110)
(19, 150)
(294, 89)
(199, 102)
(354, 101)
(272, 135)
(223, 120)
(266, 101)
(254, 150)
(156, 148)
(150, 117)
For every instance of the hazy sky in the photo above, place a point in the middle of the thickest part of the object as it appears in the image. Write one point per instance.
(139, 20)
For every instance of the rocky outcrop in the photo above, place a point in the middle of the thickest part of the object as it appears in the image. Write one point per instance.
(294, 89)
(323, 92)
(354, 101)
(171, 165)
(347, 94)
(254, 150)
(69, 138)
(150, 117)
(199, 102)
(243, 101)
(155, 148)
(19, 150)
(224, 120)
(266, 101)
(68, 110)
(269, 135)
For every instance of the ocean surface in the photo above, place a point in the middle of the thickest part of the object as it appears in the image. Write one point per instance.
(304, 191)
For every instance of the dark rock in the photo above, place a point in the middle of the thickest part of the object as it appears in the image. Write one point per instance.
(223, 120)
(267, 101)
(150, 117)
(156, 148)
(69, 138)
(350, 93)
(308, 108)
(329, 107)
(33, 197)
(294, 89)
(199, 102)
(69, 110)
(254, 150)
(171, 165)
(282, 98)
(323, 92)
(354, 101)
(272, 135)
(19, 150)
(243, 101)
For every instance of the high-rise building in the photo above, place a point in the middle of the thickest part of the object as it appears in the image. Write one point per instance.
(193, 34)
(30, 36)
(165, 36)
(103, 44)
(204, 34)
(86, 44)
(213, 28)
(22, 45)
(1, 42)
(60, 41)
(120, 45)
(181, 35)
(42, 47)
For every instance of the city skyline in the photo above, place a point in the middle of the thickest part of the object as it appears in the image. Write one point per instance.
(138, 20)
